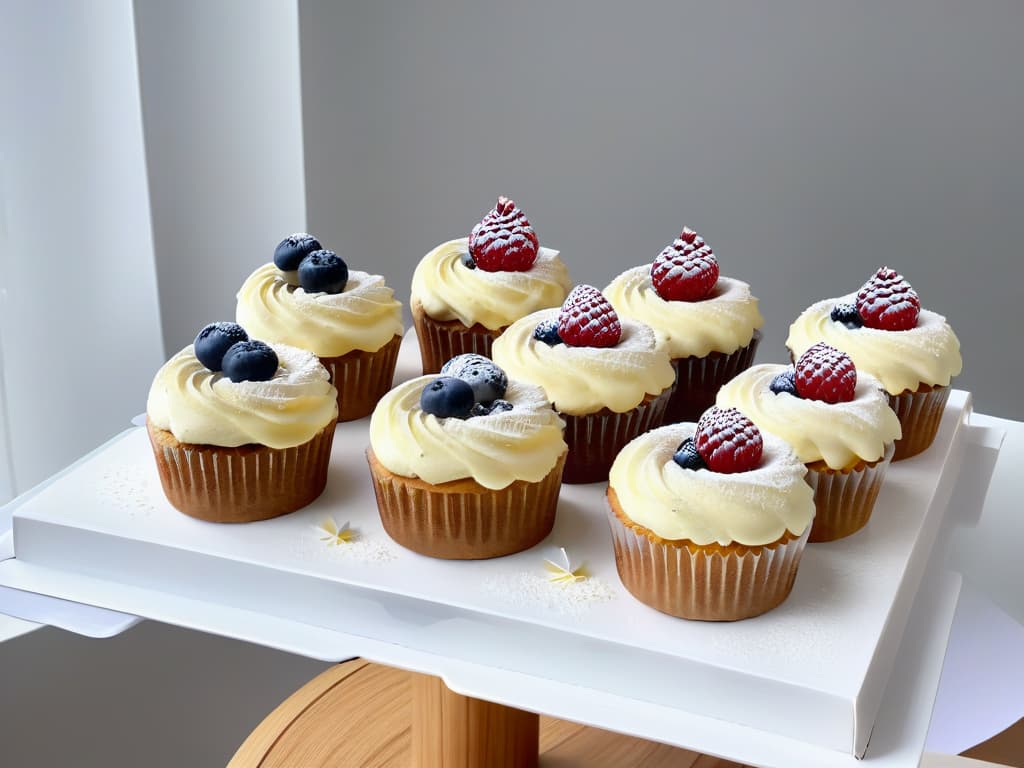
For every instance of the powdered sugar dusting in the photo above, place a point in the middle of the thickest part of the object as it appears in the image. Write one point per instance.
(314, 546)
(565, 598)
(128, 489)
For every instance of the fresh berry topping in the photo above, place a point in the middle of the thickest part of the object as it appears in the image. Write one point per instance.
(323, 272)
(486, 409)
(687, 270)
(825, 373)
(447, 397)
(293, 249)
(216, 339)
(848, 315)
(728, 441)
(488, 381)
(467, 261)
(504, 241)
(784, 382)
(587, 319)
(887, 302)
(250, 361)
(547, 331)
(686, 455)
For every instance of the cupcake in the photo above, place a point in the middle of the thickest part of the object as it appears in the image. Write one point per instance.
(708, 322)
(838, 423)
(308, 298)
(709, 520)
(466, 465)
(466, 292)
(241, 430)
(610, 379)
(911, 351)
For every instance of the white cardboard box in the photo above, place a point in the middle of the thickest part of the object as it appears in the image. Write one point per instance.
(813, 670)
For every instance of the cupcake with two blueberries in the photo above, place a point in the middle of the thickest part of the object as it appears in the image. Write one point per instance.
(836, 419)
(709, 520)
(709, 322)
(467, 464)
(307, 297)
(241, 430)
(913, 352)
(610, 379)
(466, 292)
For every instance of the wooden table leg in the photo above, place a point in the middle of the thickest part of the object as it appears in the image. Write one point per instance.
(454, 731)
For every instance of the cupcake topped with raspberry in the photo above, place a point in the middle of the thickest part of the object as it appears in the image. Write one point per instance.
(467, 291)
(602, 372)
(307, 297)
(913, 352)
(709, 520)
(708, 321)
(822, 406)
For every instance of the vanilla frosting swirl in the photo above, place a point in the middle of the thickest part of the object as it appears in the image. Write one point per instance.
(583, 380)
(755, 507)
(840, 434)
(722, 322)
(448, 290)
(197, 405)
(364, 316)
(929, 353)
(495, 450)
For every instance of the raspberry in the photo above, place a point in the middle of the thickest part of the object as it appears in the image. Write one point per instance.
(588, 320)
(728, 441)
(504, 241)
(887, 302)
(687, 270)
(825, 373)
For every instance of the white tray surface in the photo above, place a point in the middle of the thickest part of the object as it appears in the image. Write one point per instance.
(818, 654)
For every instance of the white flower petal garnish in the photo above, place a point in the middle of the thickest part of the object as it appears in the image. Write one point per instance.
(335, 536)
(563, 570)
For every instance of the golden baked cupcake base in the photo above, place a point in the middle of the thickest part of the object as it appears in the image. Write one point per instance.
(243, 484)
(844, 498)
(441, 340)
(698, 380)
(920, 412)
(461, 519)
(705, 582)
(362, 378)
(595, 439)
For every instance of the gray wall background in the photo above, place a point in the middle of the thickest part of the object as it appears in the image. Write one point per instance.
(810, 143)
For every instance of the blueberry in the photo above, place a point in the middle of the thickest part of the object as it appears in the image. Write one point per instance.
(500, 406)
(848, 315)
(214, 340)
(323, 272)
(250, 361)
(447, 397)
(293, 249)
(547, 331)
(467, 261)
(479, 409)
(686, 455)
(784, 382)
(486, 409)
(488, 381)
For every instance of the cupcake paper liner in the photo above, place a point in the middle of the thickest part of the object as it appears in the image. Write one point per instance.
(844, 499)
(919, 413)
(461, 519)
(707, 583)
(595, 439)
(362, 378)
(440, 340)
(243, 484)
(698, 380)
